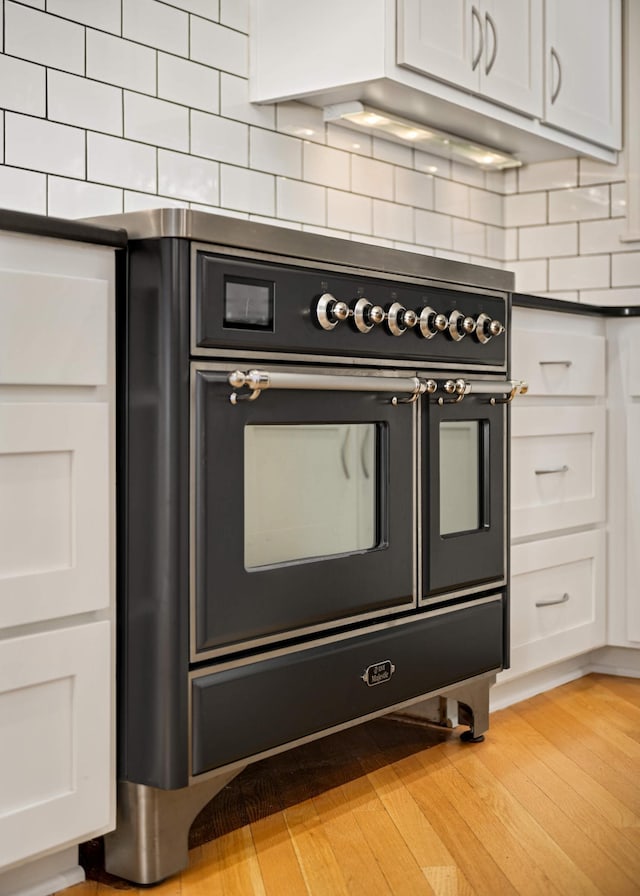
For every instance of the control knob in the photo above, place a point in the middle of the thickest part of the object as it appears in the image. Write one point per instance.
(330, 311)
(366, 315)
(400, 319)
(486, 328)
(456, 326)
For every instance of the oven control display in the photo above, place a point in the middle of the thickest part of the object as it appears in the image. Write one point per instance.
(248, 304)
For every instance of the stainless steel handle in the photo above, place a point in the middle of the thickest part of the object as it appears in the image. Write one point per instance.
(553, 603)
(259, 380)
(363, 452)
(501, 387)
(554, 93)
(560, 363)
(476, 59)
(343, 454)
(489, 21)
(563, 469)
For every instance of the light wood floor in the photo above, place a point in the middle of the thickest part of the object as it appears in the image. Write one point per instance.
(549, 804)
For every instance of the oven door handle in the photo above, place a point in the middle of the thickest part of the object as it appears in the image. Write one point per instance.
(259, 380)
(508, 390)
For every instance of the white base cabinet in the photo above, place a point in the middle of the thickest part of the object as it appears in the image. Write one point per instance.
(57, 555)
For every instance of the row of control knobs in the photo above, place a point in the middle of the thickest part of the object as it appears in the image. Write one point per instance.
(365, 315)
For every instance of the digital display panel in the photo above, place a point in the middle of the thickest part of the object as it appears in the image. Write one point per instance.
(248, 304)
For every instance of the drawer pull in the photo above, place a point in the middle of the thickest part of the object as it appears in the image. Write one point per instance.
(563, 469)
(562, 363)
(553, 603)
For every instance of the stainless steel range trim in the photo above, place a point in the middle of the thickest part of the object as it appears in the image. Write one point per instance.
(198, 656)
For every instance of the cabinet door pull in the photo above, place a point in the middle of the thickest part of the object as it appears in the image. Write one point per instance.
(476, 59)
(554, 93)
(563, 469)
(561, 363)
(553, 603)
(491, 24)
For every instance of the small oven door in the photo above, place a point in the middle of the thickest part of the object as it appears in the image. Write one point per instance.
(464, 490)
(303, 512)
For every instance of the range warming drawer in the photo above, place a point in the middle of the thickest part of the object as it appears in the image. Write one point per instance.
(257, 707)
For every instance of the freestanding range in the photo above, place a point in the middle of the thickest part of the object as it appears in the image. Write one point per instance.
(313, 479)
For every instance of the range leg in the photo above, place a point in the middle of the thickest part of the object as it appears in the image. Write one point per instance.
(151, 840)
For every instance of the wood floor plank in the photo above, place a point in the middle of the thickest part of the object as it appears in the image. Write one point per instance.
(277, 857)
(320, 869)
(598, 709)
(624, 688)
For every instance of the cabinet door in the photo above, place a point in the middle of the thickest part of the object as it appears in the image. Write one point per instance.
(56, 750)
(443, 40)
(510, 67)
(583, 68)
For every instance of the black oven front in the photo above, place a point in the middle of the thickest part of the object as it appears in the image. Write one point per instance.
(312, 503)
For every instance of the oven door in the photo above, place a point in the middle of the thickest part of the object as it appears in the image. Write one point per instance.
(464, 489)
(303, 511)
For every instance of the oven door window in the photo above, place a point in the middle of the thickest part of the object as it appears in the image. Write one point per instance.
(461, 473)
(309, 491)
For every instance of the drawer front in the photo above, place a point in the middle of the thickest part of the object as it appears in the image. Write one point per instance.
(57, 769)
(247, 710)
(557, 599)
(55, 530)
(554, 364)
(557, 468)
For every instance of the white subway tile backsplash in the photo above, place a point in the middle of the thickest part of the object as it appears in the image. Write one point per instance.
(469, 237)
(22, 86)
(589, 272)
(567, 296)
(138, 202)
(531, 276)
(264, 219)
(247, 191)
(348, 211)
(84, 103)
(579, 204)
(276, 153)
(235, 14)
(501, 243)
(234, 103)
(43, 146)
(451, 198)
(105, 15)
(156, 25)
(208, 9)
(219, 47)
(48, 40)
(618, 200)
(414, 188)
(323, 231)
(300, 120)
(618, 296)
(548, 241)
(430, 164)
(602, 236)
(1, 139)
(548, 175)
(450, 255)
(350, 141)
(23, 191)
(219, 138)
(121, 163)
(386, 151)
(372, 240)
(502, 182)
(625, 269)
(371, 177)
(433, 230)
(181, 176)
(120, 62)
(37, 4)
(326, 166)
(521, 209)
(188, 83)
(486, 206)
(467, 174)
(297, 201)
(392, 221)
(79, 199)
(594, 172)
(412, 247)
(158, 122)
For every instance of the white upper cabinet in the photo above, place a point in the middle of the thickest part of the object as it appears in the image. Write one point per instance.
(583, 68)
(493, 48)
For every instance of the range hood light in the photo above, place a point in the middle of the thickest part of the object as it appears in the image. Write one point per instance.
(359, 117)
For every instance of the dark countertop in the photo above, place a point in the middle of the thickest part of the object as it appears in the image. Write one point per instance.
(62, 228)
(522, 300)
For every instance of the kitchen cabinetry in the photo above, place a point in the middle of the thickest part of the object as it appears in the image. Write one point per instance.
(473, 69)
(558, 489)
(492, 48)
(57, 768)
(583, 70)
